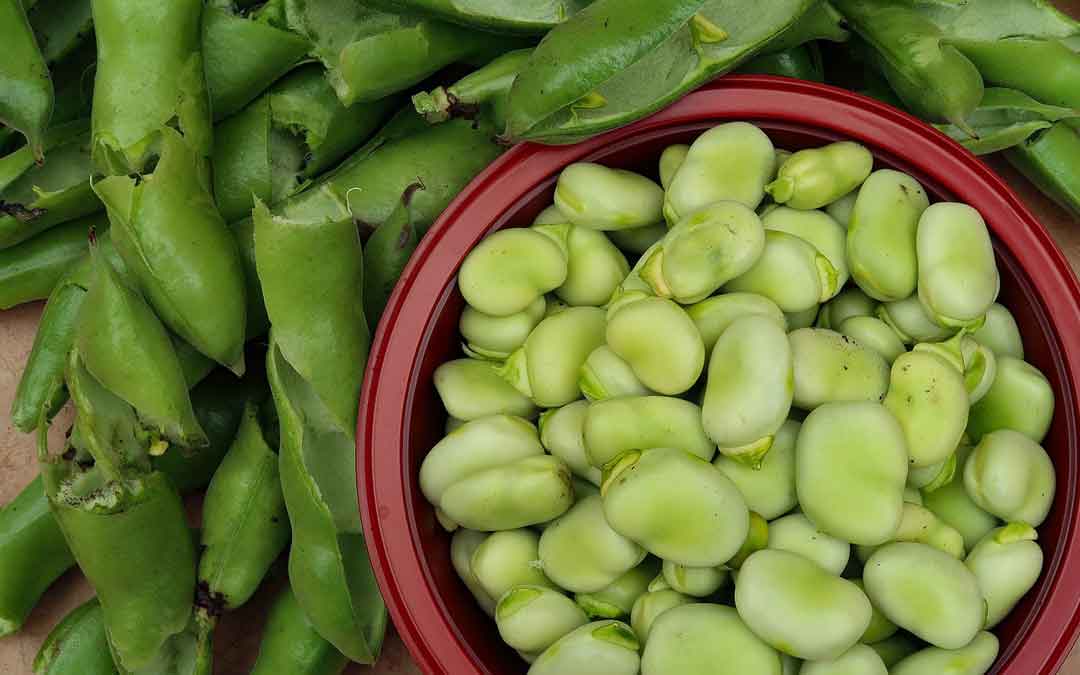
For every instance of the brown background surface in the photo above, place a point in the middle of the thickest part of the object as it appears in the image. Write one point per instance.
(237, 637)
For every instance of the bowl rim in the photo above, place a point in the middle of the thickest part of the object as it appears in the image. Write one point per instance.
(402, 334)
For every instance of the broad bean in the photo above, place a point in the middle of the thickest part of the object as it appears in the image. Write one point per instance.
(1020, 398)
(813, 178)
(509, 270)
(594, 267)
(671, 159)
(462, 547)
(650, 606)
(696, 639)
(796, 534)
(953, 506)
(770, 488)
(847, 303)
(598, 648)
(532, 618)
(614, 426)
(958, 278)
(1007, 563)
(874, 334)
(1000, 333)
(638, 239)
(922, 526)
(696, 582)
(975, 658)
(803, 319)
(601, 198)
(470, 389)
(928, 397)
(816, 227)
(507, 559)
(562, 432)
(606, 375)
(841, 209)
(894, 649)
(1012, 477)
(829, 367)
(880, 627)
(912, 324)
(859, 660)
(660, 342)
(495, 337)
(790, 272)
(582, 553)
(524, 492)
(712, 316)
(617, 599)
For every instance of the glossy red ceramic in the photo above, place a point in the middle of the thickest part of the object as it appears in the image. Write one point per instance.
(401, 417)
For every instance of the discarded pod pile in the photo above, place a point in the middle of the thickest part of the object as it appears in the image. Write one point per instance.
(797, 435)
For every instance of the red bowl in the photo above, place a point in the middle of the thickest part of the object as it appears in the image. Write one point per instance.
(401, 416)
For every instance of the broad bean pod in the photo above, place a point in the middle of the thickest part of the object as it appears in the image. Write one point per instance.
(291, 644)
(30, 270)
(77, 644)
(1046, 159)
(26, 101)
(1005, 118)
(527, 16)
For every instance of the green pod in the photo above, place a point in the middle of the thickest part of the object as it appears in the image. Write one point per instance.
(696, 582)
(598, 648)
(486, 88)
(880, 627)
(712, 316)
(926, 592)
(245, 526)
(143, 87)
(649, 606)
(370, 54)
(671, 159)
(749, 388)
(1007, 563)
(125, 347)
(813, 178)
(243, 56)
(179, 250)
(528, 17)
(462, 547)
(26, 104)
(1000, 333)
(881, 235)
(922, 526)
(952, 505)
(974, 658)
(507, 559)
(601, 198)
(928, 397)
(873, 333)
(793, 603)
(1012, 477)
(470, 389)
(38, 197)
(851, 467)
(676, 505)
(33, 554)
(510, 269)
(768, 489)
(791, 272)
(77, 644)
(386, 253)
(32, 269)
(911, 322)
(1004, 118)
(801, 62)
(958, 278)
(532, 618)
(696, 639)
(606, 375)
(704, 250)
(582, 553)
(934, 79)
(847, 303)
(660, 342)
(730, 162)
(603, 84)
(829, 367)
(618, 598)
(495, 337)
(614, 426)
(291, 644)
(1009, 62)
(820, 22)
(515, 494)
(1046, 159)
(61, 28)
(841, 209)
(547, 366)
(1020, 399)
(562, 434)
(315, 390)
(816, 227)
(796, 534)
(859, 660)
(894, 649)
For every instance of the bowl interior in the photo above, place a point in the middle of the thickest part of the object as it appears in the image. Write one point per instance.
(439, 619)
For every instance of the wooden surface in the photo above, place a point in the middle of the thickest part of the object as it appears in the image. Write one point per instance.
(237, 637)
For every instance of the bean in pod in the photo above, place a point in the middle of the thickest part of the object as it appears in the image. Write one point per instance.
(813, 178)
(594, 266)
(546, 368)
(291, 644)
(660, 342)
(1044, 159)
(617, 599)
(768, 489)
(532, 618)
(704, 250)
(77, 644)
(881, 234)
(713, 315)
(598, 648)
(606, 375)
(795, 533)
(928, 397)
(615, 426)
(911, 322)
(602, 198)
(847, 303)
(1007, 563)
(859, 660)
(509, 270)
(796, 606)
(791, 272)
(471, 389)
(702, 638)
(583, 553)
(926, 592)
(830, 367)
(1000, 333)
(730, 162)
(749, 389)
(851, 466)
(650, 606)
(1020, 398)
(958, 278)
(953, 506)
(495, 337)
(562, 432)
(1012, 477)
(975, 658)
(696, 582)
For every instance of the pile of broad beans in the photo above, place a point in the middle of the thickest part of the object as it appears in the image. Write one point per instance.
(216, 198)
(796, 435)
